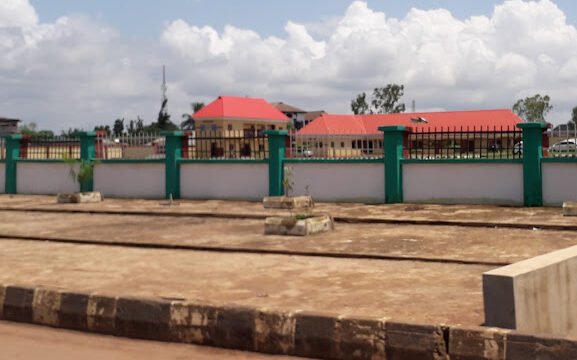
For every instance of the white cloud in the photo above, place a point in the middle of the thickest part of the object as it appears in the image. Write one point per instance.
(77, 72)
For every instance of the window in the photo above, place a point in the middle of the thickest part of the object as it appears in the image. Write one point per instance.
(342, 144)
(229, 127)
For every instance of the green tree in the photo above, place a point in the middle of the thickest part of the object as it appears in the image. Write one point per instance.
(31, 129)
(574, 115)
(359, 105)
(534, 108)
(385, 100)
(118, 128)
(103, 128)
(188, 123)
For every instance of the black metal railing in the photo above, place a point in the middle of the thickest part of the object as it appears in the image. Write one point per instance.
(59, 147)
(130, 146)
(233, 144)
(464, 143)
(2, 148)
(561, 142)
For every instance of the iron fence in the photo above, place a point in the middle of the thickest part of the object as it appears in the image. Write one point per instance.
(130, 146)
(2, 148)
(348, 146)
(561, 142)
(45, 148)
(464, 143)
(228, 144)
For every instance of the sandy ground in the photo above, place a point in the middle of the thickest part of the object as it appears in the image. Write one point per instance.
(26, 342)
(434, 291)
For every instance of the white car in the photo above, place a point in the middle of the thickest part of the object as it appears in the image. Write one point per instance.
(564, 145)
(518, 148)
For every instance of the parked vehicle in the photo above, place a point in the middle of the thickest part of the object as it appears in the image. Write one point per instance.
(564, 145)
(518, 148)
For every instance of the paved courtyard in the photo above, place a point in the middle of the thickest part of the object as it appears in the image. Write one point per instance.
(425, 273)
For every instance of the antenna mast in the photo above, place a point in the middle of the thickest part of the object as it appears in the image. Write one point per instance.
(163, 87)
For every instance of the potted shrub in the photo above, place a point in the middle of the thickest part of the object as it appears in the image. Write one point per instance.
(300, 221)
(287, 201)
(81, 171)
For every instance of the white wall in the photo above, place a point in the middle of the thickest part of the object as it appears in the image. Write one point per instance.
(559, 183)
(44, 178)
(2, 177)
(345, 182)
(224, 181)
(473, 183)
(130, 180)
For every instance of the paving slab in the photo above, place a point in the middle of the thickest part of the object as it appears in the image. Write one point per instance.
(407, 291)
(443, 243)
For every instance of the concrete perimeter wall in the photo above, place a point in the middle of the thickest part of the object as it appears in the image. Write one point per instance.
(44, 178)
(224, 181)
(2, 178)
(340, 182)
(537, 295)
(468, 183)
(130, 180)
(559, 183)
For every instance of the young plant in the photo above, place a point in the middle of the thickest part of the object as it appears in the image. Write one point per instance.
(288, 181)
(80, 170)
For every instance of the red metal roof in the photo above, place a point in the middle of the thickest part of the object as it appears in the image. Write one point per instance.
(232, 107)
(328, 124)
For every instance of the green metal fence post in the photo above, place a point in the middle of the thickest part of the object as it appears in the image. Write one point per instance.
(532, 155)
(393, 137)
(173, 149)
(87, 154)
(276, 154)
(12, 155)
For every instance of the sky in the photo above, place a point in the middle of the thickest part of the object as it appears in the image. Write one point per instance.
(77, 64)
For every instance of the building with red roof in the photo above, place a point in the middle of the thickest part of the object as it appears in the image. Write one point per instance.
(328, 124)
(239, 113)
(231, 125)
(356, 135)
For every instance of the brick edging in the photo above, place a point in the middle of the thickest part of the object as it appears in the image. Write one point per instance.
(300, 333)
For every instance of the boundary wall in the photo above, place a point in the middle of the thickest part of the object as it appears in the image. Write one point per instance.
(531, 181)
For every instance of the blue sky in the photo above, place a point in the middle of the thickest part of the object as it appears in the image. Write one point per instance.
(80, 63)
(147, 18)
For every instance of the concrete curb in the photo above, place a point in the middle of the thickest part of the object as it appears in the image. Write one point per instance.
(300, 333)
(338, 219)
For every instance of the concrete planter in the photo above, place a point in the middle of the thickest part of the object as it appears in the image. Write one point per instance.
(570, 208)
(287, 202)
(290, 225)
(79, 198)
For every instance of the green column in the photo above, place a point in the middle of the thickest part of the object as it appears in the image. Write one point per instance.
(173, 149)
(276, 153)
(393, 147)
(12, 155)
(87, 154)
(532, 155)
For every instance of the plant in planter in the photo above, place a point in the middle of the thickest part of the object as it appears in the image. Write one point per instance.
(287, 201)
(300, 221)
(81, 171)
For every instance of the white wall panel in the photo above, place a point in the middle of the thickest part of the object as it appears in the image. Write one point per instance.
(223, 181)
(130, 180)
(345, 182)
(473, 183)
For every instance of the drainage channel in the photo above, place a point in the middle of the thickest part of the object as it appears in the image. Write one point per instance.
(247, 250)
(338, 219)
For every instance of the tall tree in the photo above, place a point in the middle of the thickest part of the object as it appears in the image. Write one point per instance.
(574, 115)
(188, 123)
(534, 108)
(118, 128)
(359, 105)
(385, 100)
